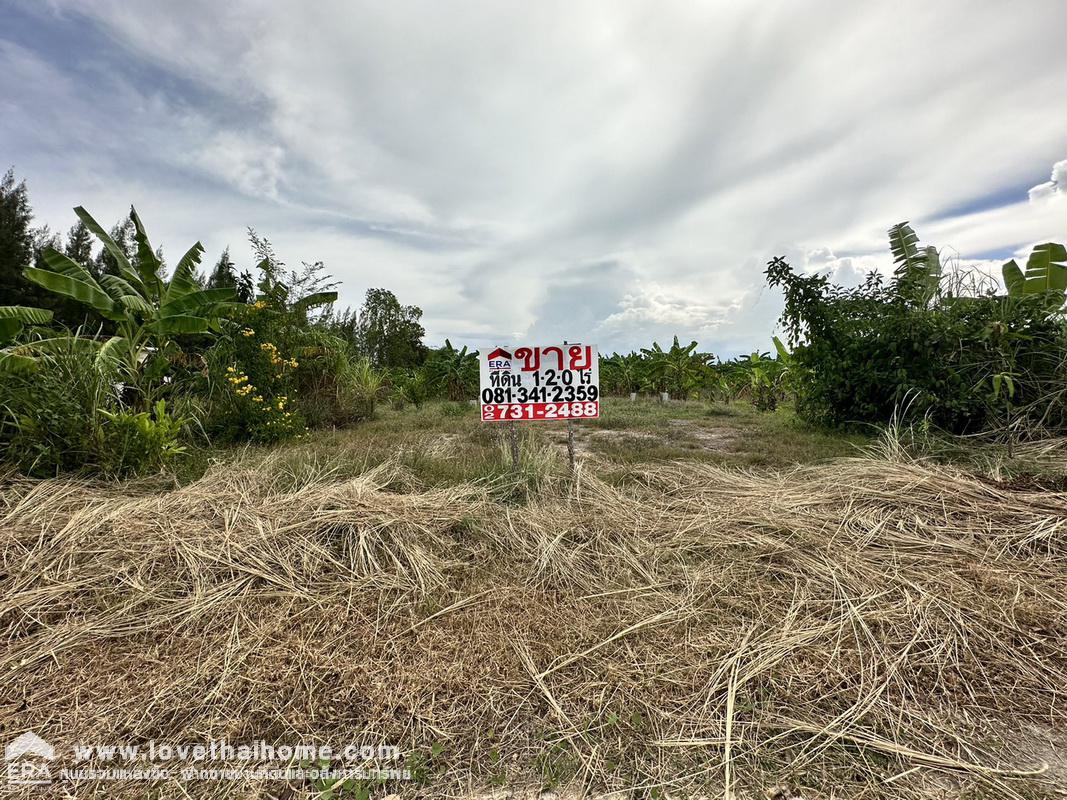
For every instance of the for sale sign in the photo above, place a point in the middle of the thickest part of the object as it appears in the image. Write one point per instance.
(530, 383)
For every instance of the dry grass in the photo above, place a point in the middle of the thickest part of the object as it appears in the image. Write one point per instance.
(864, 628)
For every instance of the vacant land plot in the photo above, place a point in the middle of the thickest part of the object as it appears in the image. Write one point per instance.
(719, 603)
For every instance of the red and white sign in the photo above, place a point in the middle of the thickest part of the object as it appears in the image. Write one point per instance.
(538, 383)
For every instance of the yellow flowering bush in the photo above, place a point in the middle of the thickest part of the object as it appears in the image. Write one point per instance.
(257, 369)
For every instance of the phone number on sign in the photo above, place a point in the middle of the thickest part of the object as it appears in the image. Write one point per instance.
(503, 412)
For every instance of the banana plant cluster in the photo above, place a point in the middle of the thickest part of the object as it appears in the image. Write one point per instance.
(1045, 275)
(147, 310)
(13, 319)
(454, 371)
(680, 370)
(918, 269)
(675, 370)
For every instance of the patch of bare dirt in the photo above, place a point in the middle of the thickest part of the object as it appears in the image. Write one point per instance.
(709, 438)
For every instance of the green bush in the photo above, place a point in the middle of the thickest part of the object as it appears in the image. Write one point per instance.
(250, 379)
(865, 353)
(50, 419)
(270, 376)
(335, 387)
(67, 416)
(139, 443)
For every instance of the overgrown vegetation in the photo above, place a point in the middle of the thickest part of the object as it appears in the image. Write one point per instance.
(949, 348)
(113, 363)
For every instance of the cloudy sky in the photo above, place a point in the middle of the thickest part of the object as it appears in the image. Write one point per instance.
(605, 171)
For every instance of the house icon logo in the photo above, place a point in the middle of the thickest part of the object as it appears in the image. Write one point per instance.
(26, 756)
(499, 359)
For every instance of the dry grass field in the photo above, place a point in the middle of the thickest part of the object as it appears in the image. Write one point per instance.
(718, 604)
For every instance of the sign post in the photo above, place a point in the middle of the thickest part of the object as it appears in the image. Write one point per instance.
(529, 384)
(570, 435)
(513, 438)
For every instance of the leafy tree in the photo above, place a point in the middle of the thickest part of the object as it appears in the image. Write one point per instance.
(864, 354)
(389, 333)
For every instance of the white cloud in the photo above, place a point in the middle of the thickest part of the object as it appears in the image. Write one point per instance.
(487, 160)
(253, 167)
(1052, 189)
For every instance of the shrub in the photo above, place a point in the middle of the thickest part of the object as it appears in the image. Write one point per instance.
(331, 383)
(50, 419)
(410, 386)
(271, 377)
(67, 416)
(865, 352)
(139, 443)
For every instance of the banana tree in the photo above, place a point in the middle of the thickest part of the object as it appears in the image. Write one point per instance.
(788, 371)
(147, 310)
(918, 273)
(622, 373)
(454, 370)
(678, 368)
(12, 320)
(764, 376)
(1046, 274)
(654, 371)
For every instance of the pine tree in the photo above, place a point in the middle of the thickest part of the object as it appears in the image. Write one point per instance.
(225, 276)
(79, 246)
(222, 277)
(122, 234)
(16, 242)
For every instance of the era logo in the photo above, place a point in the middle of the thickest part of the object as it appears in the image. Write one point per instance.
(499, 359)
(26, 756)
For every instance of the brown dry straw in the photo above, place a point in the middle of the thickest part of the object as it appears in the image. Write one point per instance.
(859, 629)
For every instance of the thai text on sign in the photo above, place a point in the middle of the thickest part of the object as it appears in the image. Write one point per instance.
(539, 383)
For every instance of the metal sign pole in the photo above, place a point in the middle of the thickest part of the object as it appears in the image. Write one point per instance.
(570, 433)
(513, 435)
(570, 441)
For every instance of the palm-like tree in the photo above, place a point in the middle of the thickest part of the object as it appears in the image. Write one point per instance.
(148, 310)
(677, 369)
(454, 370)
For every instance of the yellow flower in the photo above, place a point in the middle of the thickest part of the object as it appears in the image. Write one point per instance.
(248, 332)
(260, 304)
